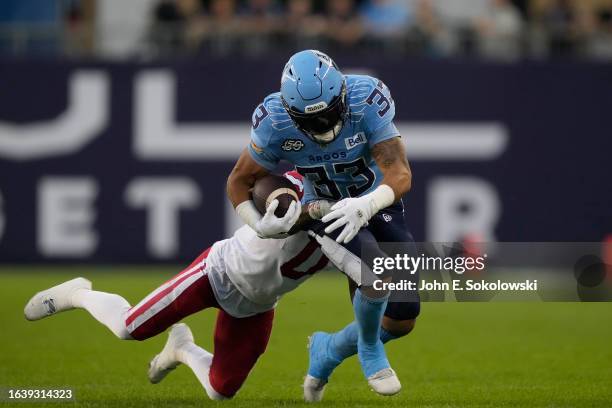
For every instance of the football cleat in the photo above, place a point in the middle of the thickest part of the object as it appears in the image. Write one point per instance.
(313, 388)
(385, 382)
(320, 366)
(166, 361)
(54, 300)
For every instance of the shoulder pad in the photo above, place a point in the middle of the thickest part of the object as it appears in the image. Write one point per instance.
(369, 101)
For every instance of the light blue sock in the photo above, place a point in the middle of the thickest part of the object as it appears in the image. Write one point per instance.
(343, 343)
(370, 349)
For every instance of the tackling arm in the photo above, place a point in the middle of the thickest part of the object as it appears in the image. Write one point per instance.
(314, 210)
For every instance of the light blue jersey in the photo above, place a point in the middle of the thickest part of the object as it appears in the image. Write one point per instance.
(343, 168)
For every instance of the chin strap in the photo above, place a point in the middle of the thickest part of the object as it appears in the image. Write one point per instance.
(335, 131)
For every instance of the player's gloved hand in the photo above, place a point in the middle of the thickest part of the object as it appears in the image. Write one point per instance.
(319, 208)
(271, 226)
(352, 213)
(355, 212)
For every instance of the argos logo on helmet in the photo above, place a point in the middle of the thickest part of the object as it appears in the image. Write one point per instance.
(315, 107)
(322, 56)
(288, 73)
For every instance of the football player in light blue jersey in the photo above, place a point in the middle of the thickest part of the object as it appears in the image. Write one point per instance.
(338, 162)
(338, 131)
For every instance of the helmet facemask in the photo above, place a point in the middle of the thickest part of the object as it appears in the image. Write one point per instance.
(323, 125)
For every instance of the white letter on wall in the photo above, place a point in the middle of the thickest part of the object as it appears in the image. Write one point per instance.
(66, 216)
(460, 206)
(163, 198)
(84, 118)
(157, 136)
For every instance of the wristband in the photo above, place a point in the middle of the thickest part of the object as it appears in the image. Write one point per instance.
(381, 198)
(248, 213)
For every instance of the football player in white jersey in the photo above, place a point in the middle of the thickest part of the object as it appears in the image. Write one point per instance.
(243, 276)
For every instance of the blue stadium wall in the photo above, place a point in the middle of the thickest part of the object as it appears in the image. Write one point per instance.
(127, 162)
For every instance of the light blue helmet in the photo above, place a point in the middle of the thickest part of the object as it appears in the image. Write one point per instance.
(313, 91)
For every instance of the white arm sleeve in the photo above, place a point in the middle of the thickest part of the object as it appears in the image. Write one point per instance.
(248, 213)
(382, 197)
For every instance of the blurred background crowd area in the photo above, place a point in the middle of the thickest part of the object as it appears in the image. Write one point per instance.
(504, 30)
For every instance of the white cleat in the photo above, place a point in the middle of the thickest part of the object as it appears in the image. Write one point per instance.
(385, 382)
(166, 361)
(313, 388)
(54, 300)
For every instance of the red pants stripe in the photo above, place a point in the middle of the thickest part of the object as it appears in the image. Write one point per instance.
(238, 342)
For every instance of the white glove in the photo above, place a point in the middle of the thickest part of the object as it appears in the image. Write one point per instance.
(354, 213)
(270, 226)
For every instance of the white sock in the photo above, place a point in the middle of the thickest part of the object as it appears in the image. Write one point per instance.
(107, 308)
(199, 360)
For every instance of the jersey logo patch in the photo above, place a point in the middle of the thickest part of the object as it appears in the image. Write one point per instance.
(387, 217)
(355, 140)
(292, 145)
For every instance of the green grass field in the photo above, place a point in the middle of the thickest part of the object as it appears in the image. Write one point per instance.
(460, 355)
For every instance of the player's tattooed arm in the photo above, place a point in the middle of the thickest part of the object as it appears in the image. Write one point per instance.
(243, 177)
(390, 156)
(314, 210)
(301, 222)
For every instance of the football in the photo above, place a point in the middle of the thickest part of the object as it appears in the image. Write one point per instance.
(273, 187)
